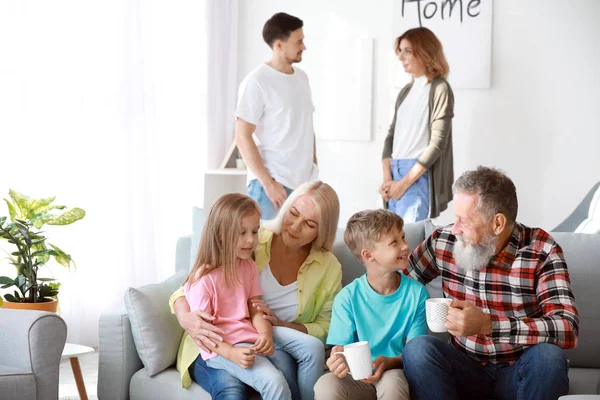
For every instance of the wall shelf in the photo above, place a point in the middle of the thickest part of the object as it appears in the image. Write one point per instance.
(218, 182)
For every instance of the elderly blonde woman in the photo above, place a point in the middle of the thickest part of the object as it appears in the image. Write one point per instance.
(300, 277)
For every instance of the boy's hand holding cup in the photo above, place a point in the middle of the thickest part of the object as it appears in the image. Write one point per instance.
(357, 363)
(336, 362)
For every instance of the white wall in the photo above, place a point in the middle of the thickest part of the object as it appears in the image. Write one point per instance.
(537, 122)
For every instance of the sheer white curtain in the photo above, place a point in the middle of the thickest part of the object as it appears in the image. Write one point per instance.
(103, 103)
(222, 20)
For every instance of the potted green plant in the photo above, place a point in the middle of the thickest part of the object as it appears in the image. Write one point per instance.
(31, 251)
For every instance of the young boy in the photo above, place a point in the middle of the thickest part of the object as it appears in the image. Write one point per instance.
(383, 307)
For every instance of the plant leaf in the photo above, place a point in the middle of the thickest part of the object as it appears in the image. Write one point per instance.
(44, 291)
(43, 258)
(46, 279)
(11, 210)
(46, 209)
(6, 282)
(41, 252)
(30, 207)
(68, 217)
(10, 297)
(20, 281)
(23, 229)
(38, 220)
(62, 258)
(37, 206)
(18, 203)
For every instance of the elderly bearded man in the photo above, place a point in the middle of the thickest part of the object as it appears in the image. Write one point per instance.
(512, 312)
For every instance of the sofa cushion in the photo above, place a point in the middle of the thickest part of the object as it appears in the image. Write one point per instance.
(155, 330)
(16, 384)
(584, 381)
(351, 267)
(198, 218)
(581, 254)
(592, 223)
(167, 384)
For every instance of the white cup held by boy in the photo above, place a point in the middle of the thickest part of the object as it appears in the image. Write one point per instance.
(358, 358)
(437, 312)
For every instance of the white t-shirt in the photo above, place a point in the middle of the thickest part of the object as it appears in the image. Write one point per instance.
(411, 135)
(283, 300)
(281, 107)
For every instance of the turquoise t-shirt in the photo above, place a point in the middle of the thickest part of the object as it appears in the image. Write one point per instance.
(386, 322)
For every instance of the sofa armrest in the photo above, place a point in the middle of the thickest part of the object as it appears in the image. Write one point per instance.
(34, 341)
(118, 359)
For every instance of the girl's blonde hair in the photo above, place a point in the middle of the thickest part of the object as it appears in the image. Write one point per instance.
(218, 242)
(328, 208)
(428, 49)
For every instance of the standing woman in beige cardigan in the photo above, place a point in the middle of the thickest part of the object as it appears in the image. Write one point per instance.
(417, 160)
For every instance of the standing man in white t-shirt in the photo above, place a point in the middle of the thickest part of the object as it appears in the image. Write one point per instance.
(274, 119)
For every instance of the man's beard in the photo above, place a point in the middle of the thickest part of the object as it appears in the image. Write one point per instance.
(294, 60)
(473, 257)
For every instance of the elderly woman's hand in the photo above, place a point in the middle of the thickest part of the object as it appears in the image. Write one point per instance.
(203, 332)
(270, 316)
(197, 326)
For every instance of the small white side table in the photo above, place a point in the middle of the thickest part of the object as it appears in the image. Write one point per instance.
(73, 352)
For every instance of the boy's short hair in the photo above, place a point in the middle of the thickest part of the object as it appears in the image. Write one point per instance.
(366, 227)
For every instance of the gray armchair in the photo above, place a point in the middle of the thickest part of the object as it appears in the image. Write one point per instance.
(31, 343)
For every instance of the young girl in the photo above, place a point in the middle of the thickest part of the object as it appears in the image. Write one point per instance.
(228, 241)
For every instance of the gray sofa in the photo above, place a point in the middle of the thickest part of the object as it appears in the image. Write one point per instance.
(31, 343)
(122, 374)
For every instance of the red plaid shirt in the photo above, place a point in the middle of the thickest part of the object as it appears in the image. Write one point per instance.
(525, 288)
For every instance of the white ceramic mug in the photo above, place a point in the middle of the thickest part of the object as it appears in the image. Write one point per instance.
(358, 358)
(437, 312)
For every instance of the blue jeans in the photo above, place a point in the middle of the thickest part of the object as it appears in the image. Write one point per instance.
(437, 370)
(307, 352)
(224, 386)
(219, 383)
(257, 192)
(413, 206)
(263, 376)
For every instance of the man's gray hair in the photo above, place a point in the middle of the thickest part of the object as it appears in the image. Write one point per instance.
(496, 192)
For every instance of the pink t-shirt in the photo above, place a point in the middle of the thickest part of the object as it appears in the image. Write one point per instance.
(228, 305)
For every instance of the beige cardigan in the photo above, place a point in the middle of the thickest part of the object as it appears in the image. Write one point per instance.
(437, 157)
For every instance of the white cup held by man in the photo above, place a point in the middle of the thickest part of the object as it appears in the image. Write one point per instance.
(358, 358)
(437, 312)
